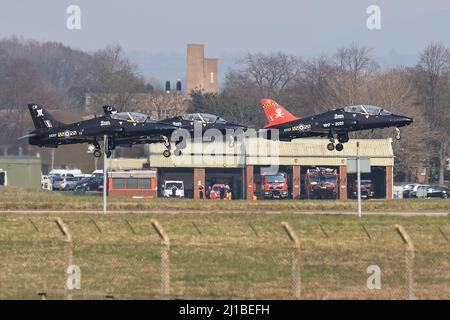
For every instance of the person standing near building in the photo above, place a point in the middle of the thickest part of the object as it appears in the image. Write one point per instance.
(227, 192)
(222, 192)
(174, 190)
(201, 192)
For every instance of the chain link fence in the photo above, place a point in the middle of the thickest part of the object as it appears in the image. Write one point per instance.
(148, 264)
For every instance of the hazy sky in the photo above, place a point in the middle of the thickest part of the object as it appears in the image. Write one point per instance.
(231, 27)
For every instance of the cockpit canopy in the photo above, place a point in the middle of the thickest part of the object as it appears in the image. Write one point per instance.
(203, 117)
(136, 117)
(368, 110)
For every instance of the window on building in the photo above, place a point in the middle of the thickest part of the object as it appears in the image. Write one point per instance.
(118, 183)
(144, 183)
(132, 183)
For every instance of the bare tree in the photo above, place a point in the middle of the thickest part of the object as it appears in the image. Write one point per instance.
(271, 73)
(354, 66)
(433, 82)
(163, 105)
(114, 78)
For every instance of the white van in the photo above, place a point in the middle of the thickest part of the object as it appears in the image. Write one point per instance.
(171, 186)
(65, 172)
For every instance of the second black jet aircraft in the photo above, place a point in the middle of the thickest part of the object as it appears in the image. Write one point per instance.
(207, 121)
(335, 123)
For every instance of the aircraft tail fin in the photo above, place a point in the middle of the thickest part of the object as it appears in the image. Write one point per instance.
(275, 113)
(42, 119)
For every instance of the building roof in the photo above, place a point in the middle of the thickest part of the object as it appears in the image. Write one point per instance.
(133, 174)
(310, 152)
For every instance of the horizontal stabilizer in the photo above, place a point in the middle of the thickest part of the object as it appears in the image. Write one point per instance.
(27, 136)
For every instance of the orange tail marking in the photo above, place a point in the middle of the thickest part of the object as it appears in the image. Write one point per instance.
(275, 113)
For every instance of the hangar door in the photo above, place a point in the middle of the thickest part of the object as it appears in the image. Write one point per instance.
(233, 177)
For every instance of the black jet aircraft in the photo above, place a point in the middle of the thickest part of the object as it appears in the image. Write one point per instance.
(207, 121)
(338, 122)
(121, 129)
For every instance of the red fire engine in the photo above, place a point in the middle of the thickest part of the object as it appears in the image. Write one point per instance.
(275, 186)
(366, 189)
(321, 183)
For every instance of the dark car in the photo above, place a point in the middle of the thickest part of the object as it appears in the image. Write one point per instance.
(410, 189)
(93, 183)
(436, 191)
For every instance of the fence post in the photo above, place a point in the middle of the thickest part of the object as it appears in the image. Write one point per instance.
(409, 261)
(68, 255)
(296, 282)
(165, 262)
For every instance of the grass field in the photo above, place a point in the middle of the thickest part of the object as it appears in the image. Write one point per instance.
(219, 249)
(23, 199)
(223, 255)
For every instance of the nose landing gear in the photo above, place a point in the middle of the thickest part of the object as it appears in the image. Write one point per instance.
(166, 153)
(397, 135)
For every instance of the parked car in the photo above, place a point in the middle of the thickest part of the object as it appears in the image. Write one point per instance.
(437, 191)
(91, 183)
(408, 189)
(65, 183)
(420, 191)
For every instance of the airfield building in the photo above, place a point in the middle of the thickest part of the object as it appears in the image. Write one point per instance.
(242, 170)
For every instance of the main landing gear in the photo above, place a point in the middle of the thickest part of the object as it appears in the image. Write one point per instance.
(98, 151)
(342, 138)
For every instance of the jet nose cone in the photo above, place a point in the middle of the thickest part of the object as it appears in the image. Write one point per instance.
(403, 121)
(406, 121)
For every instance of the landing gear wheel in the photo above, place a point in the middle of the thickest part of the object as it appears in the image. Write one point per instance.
(166, 153)
(330, 146)
(108, 153)
(339, 147)
(398, 136)
(97, 153)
